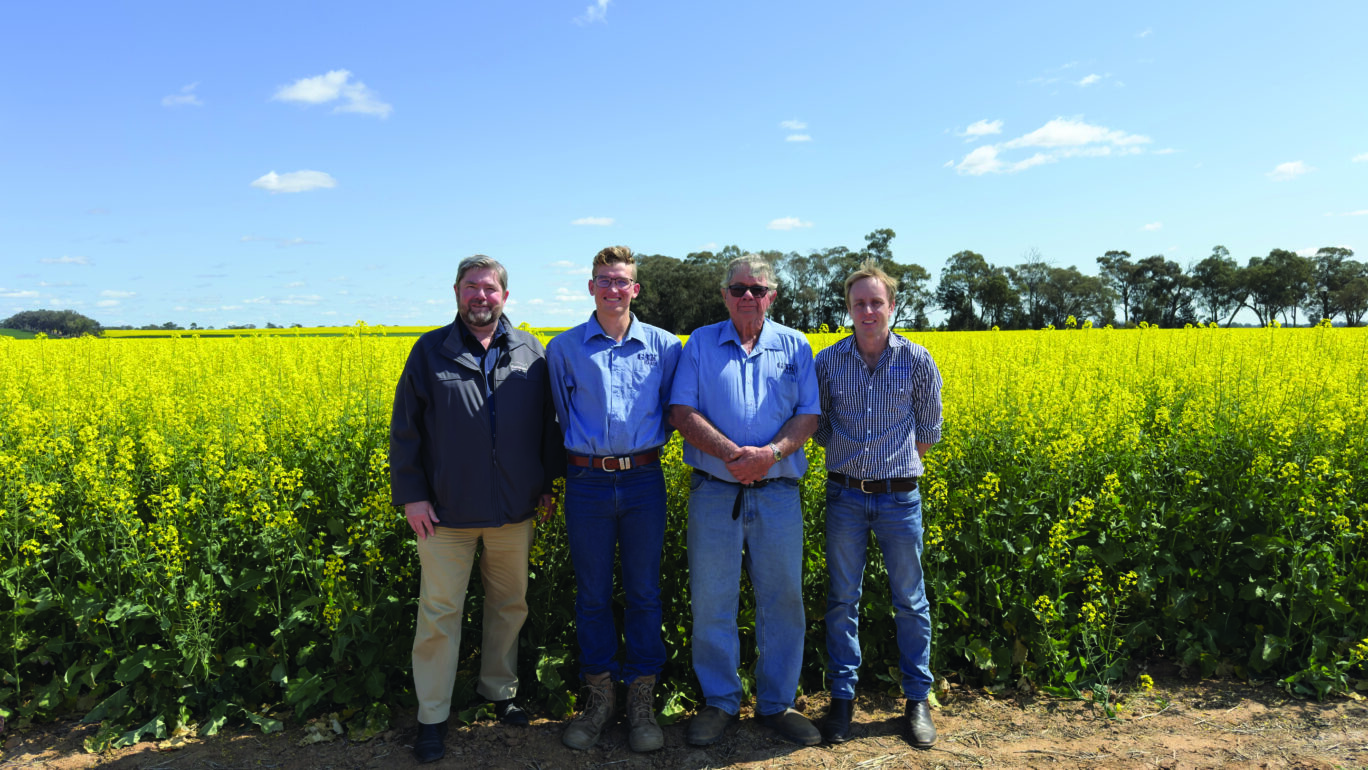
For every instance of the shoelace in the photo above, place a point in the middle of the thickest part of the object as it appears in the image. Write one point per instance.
(598, 704)
(639, 700)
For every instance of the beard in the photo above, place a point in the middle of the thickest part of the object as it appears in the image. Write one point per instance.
(479, 316)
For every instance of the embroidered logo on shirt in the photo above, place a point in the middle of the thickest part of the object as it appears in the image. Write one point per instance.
(650, 359)
(789, 368)
(900, 370)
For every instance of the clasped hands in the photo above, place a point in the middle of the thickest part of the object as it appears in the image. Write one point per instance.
(749, 464)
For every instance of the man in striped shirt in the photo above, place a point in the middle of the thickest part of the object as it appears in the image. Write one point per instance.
(881, 413)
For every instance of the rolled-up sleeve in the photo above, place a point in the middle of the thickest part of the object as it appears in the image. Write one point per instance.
(823, 433)
(926, 385)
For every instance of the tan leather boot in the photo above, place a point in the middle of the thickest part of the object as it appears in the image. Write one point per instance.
(646, 734)
(584, 730)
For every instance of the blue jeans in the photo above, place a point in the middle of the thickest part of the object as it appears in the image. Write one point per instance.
(768, 539)
(896, 521)
(617, 514)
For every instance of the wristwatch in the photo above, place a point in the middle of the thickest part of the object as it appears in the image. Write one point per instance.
(777, 454)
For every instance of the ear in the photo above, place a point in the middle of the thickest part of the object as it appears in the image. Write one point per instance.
(591, 285)
(636, 290)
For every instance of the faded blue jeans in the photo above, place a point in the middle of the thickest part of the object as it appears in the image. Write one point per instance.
(767, 538)
(618, 514)
(896, 521)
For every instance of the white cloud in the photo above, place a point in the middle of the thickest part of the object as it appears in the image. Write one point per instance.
(594, 221)
(981, 128)
(787, 223)
(55, 284)
(1089, 80)
(300, 299)
(1290, 170)
(793, 125)
(186, 98)
(18, 294)
(596, 12)
(1060, 138)
(1152, 226)
(1146, 32)
(118, 294)
(336, 84)
(1070, 132)
(798, 138)
(294, 285)
(1359, 213)
(1308, 252)
(107, 303)
(295, 181)
(1361, 158)
(256, 301)
(949, 163)
(65, 260)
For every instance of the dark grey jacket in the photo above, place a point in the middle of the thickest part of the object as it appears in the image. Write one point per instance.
(481, 463)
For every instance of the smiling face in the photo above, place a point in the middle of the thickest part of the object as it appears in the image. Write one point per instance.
(747, 309)
(480, 298)
(614, 287)
(870, 309)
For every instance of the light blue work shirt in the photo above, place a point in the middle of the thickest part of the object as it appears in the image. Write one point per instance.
(748, 397)
(610, 396)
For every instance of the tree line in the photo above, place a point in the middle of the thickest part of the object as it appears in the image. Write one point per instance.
(682, 294)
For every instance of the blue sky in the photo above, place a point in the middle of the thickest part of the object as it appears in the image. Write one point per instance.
(322, 164)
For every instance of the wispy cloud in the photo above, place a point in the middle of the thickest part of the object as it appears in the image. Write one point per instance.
(335, 85)
(1146, 32)
(793, 125)
(1291, 170)
(798, 138)
(184, 98)
(113, 294)
(1359, 213)
(1056, 140)
(1152, 226)
(981, 128)
(1361, 158)
(598, 12)
(280, 243)
(295, 181)
(566, 267)
(594, 221)
(1090, 80)
(787, 223)
(18, 294)
(64, 260)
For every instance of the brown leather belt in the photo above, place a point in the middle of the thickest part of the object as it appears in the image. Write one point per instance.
(873, 486)
(611, 464)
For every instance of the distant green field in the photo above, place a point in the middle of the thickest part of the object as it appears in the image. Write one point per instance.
(18, 334)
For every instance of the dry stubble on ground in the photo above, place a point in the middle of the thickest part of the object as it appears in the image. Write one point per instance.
(1179, 725)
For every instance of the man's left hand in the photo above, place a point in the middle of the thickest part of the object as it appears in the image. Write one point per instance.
(547, 505)
(751, 464)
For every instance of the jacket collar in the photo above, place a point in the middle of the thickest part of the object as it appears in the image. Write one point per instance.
(455, 347)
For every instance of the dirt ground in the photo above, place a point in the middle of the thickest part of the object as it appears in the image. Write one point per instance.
(1177, 725)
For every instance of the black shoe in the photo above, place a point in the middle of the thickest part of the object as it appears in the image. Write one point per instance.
(921, 733)
(793, 726)
(708, 726)
(836, 723)
(510, 713)
(430, 745)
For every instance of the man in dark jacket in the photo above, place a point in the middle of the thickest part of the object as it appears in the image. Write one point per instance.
(474, 447)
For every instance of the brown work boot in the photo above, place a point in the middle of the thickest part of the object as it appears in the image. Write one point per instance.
(587, 726)
(646, 734)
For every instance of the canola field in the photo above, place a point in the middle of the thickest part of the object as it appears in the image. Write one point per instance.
(197, 531)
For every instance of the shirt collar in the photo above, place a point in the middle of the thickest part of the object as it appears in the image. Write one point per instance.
(594, 329)
(500, 334)
(769, 336)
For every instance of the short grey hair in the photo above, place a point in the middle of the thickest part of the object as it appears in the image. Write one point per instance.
(755, 264)
(481, 262)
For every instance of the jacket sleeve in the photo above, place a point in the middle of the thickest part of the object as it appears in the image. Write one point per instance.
(408, 478)
(553, 441)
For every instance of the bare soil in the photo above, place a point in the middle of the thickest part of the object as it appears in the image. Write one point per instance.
(1177, 725)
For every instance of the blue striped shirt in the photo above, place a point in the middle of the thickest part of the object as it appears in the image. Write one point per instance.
(871, 421)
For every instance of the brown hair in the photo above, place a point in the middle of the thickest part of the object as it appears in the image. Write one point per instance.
(870, 269)
(615, 255)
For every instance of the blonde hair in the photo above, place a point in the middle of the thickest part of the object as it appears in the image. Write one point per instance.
(870, 269)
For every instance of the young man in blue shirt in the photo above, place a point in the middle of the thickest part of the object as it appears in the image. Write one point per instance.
(611, 378)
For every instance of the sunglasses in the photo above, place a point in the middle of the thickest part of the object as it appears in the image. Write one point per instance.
(739, 290)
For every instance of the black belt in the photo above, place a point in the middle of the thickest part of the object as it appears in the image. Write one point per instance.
(736, 506)
(873, 486)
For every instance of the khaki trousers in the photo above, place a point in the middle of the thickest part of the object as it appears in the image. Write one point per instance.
(447, 557)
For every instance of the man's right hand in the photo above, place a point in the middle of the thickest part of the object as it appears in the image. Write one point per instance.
(421, 517)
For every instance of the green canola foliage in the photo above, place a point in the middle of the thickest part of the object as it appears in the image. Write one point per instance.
(196, 532)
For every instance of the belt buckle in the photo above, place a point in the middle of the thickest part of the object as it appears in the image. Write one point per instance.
(866, 491)
(622, 463)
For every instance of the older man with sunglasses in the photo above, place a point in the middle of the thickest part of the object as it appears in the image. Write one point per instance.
(745, 399)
